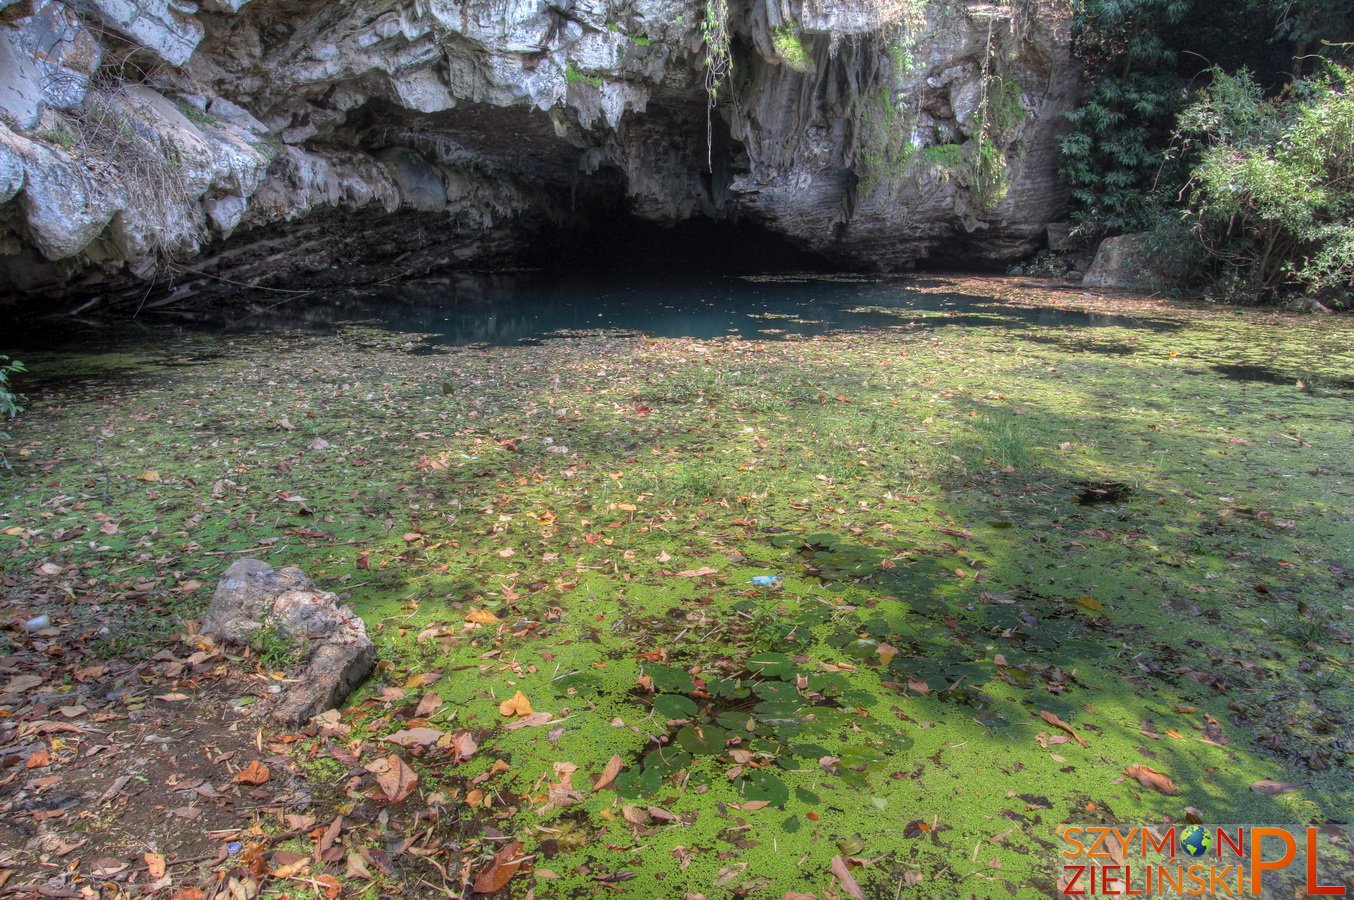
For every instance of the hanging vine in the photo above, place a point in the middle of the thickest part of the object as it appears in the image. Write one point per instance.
(718, 66)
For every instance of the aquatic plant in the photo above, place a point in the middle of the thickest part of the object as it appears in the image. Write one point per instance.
(9, 399)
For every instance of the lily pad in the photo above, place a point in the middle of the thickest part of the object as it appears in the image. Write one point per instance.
(702, 739)
(770, 665)
(674, 706)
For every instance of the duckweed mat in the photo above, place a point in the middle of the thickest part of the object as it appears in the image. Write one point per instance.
(872, 611)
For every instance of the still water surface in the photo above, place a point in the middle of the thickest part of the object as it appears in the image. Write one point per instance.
(508, 309)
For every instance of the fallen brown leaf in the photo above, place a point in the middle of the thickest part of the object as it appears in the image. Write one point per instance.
(500, 870)
(842, 872)
(398, 781)
(1151, 778)
(516, 705)
(1056, 722)
(415, 737)
(254, 774)
(608, 777)
(1265, 786)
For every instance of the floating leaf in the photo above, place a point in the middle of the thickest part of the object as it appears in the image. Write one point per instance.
(535, 720)
(1056, 722)
(762, 785)
(482, 617)
(462, 743)
(1090, 603)
(501, 869)
(842, 872)
(674, 706)
(608, 776)
(698, 739)
(415, 737)
(1265, 786)
(516, 705)
(770, 665)
(1151, 778)
(666, 678)
(697, 573)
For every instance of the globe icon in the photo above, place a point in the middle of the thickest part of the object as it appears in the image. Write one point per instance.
(1195, 840)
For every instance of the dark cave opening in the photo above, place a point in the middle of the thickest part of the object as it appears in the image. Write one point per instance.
(622, 244)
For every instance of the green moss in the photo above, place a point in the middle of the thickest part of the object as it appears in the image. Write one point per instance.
(575, 76)
(1004, 109)
(948, 155)
(884, 146)
(195, 115)
(790, 48)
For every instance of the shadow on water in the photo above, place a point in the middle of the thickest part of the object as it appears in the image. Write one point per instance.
(1266, 375)
(509, 308)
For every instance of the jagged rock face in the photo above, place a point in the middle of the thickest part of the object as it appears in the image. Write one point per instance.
(255, 141)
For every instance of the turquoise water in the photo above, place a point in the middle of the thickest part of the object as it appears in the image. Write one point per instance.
(508, 309)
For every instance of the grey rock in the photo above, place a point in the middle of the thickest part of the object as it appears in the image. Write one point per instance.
(1124, 263)
(11, 172)
(166, 29)
(419, 184)
(252, 595)
(63, 52)
(453, 130)
(64, 207)
(20, 85)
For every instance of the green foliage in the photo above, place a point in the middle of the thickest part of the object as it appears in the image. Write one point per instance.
(575, 76)
(62, 137)
(1005, 439)
(1272, 192)
(885, 138)
(790, 48)
(948, 155)
(9, 400)
(273, 648)
(1113, 151)
(1142, 58)
(1003, 110)
(989, 184)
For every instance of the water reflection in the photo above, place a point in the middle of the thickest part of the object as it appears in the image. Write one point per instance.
(507, 308)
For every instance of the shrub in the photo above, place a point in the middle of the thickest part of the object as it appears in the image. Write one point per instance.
(1271, 196)
(9, 400)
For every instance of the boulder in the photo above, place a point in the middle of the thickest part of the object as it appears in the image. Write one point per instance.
(1124, 263)
(338, 654)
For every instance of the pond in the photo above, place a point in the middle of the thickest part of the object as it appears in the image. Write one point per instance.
(729, 586)
(510, 308)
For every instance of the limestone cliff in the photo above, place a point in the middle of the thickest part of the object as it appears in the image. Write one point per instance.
(171, 140)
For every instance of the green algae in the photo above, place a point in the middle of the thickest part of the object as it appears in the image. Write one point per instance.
(611, 499)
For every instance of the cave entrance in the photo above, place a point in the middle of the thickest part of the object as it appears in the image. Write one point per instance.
(626, 246)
